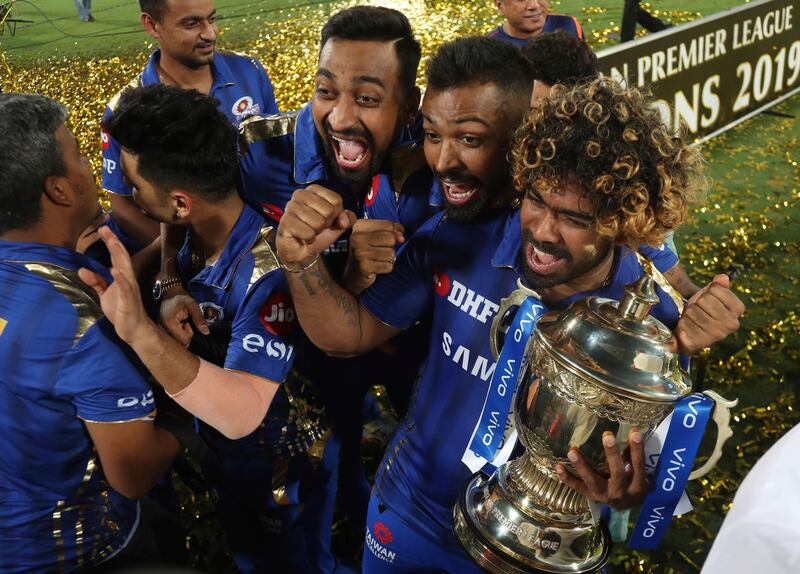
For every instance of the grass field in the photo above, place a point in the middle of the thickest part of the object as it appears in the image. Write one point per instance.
(749, 221)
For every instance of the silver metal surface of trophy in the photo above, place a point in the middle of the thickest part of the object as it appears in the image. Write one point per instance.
(599, 366)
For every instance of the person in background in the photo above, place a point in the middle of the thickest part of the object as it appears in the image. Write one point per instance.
(186, 32)
(633, 13)
(84, 8)
(524, 20)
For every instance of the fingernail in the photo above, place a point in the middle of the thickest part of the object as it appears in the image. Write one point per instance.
(560, 469)
(608, 439)
(572, 455)
(204, 330)
(636, 437)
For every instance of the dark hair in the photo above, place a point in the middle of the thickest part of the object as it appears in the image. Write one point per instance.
(180, 138)
(478, 59)
(29, 154)
(156, 8)
(560, 58)
(639, 175)
(372, 23)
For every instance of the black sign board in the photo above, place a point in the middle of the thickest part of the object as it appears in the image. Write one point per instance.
(718, 71)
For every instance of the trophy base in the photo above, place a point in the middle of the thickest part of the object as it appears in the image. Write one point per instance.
(506, 533)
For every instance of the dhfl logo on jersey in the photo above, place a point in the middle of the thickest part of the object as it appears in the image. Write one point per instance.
(104, 138)
(277, 314)
(470, 302)
(372, 194)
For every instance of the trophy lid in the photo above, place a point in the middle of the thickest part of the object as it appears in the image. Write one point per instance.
(617, 345)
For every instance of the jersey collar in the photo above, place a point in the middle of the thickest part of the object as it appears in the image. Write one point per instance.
(506, 254)
(220, 71)
(45, 253)
(241, 239)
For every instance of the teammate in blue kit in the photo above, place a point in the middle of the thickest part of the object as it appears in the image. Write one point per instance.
(186, 32)
(524, 20)
(277, 484)
(582, 157)
(70, 478)
(361, 138)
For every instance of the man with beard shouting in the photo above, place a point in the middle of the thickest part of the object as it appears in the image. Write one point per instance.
(596, 171)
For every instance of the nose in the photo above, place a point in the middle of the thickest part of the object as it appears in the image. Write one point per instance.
(209, 31)
(446, 157)
(545, 227)
(343, 115)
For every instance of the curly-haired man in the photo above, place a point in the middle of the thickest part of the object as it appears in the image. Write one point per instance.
(597, 173)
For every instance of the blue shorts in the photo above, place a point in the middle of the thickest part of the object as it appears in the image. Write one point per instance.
(392, 546)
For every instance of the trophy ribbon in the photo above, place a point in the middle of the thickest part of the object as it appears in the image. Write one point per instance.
(493, 428)
(674, 467)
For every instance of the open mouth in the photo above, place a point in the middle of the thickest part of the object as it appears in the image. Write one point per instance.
(541, 262)
(458, 193)
(350, 153)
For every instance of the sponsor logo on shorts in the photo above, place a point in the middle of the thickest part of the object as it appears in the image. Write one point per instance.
(376, 543)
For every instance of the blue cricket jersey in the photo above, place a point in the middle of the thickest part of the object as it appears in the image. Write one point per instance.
(460, 272)
(61, 363)
(245, 300)
(243, 89)
(552, 23)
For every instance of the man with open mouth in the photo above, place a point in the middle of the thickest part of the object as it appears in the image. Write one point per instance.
(580, 157)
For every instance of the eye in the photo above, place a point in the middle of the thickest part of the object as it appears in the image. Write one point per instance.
(367, 100)
(323, 92)
(190, 24)
(470, 140)
(577, 223)
(534, 199)
(432, 137)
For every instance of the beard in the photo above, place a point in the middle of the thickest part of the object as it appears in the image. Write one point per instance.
(474, 207)
(572, 270)
(362, 176)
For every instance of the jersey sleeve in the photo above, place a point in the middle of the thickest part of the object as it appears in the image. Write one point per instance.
(401, 298)
(112, 167)
(104, 379)
(662, 256)
(259, 342)
(267, 91)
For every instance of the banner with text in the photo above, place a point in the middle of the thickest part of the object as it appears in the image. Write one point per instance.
(715, 72)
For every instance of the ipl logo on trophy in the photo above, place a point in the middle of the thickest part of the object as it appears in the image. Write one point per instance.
(599, 366)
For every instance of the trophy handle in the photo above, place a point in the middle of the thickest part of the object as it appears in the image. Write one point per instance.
(722, 418)
(515, 299)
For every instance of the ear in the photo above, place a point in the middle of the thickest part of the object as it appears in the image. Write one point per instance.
(58, 190)
(150, 25)
(412, 104)
(182, 204)
(499, 5)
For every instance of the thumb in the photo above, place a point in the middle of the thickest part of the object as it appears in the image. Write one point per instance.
(196, 315)
(399, 237)
(345, 220)
(93, 280)
(723, 280)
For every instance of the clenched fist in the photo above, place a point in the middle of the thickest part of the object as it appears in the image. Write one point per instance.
(710, 315)
(314, 218)
(372, 249)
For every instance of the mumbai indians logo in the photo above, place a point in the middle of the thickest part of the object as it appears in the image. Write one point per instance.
(212, 313)
(245, 106)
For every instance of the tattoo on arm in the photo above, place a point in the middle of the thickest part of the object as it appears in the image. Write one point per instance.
(344, 300)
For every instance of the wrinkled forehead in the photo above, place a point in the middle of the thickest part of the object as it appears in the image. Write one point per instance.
(482, 102)
(353, 61)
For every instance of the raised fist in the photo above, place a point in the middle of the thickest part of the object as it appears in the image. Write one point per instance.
(372, 252)
(314, 218)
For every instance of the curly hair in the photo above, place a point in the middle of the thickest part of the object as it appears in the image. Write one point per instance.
(560, 58)
(640, 176)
